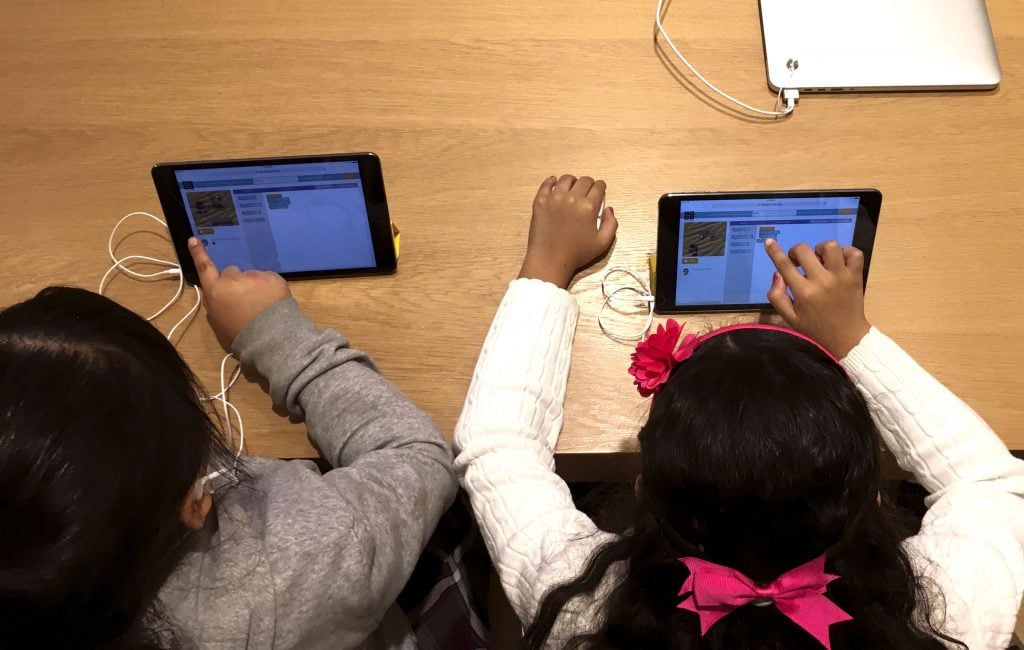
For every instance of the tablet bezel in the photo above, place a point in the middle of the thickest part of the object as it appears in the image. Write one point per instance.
(372, 181)
(668, 240)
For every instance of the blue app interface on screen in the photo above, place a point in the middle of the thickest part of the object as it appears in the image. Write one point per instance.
(721, 243)
(286, 217)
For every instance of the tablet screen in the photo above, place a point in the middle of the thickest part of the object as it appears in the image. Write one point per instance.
(280, 217)
(721, 242)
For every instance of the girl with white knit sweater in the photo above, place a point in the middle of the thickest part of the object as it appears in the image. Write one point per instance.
(758, 522)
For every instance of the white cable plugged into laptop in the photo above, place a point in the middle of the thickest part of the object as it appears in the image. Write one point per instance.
(790, 95)
(124, 265)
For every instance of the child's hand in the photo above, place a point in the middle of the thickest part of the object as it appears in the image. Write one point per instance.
(234, 298)
(828, 301)
(563, 232)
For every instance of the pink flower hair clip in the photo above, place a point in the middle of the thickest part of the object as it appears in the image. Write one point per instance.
(657, 355)
(661, 351)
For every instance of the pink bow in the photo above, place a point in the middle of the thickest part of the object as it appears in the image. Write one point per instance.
(716, 590)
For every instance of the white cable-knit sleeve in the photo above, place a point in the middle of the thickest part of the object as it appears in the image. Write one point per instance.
(971, 543)
(505, 441)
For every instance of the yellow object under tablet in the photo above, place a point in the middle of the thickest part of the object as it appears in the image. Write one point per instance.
(652, 265)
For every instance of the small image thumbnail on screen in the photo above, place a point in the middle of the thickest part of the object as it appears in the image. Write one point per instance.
(705, 239)
(211, 209)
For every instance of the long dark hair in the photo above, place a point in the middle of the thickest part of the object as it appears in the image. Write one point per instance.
(759, 454)
(102, 436)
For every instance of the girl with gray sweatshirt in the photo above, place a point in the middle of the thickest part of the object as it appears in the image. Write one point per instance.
(126, 521)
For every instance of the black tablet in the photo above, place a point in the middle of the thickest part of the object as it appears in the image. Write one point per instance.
(711, 246)
(304, 216)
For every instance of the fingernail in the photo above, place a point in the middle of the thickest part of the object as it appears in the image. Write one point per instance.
(769, 242)
(775, 278)
(610, 210)
(193, 242)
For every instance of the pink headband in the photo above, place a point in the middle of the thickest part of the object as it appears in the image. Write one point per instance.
(657, 355)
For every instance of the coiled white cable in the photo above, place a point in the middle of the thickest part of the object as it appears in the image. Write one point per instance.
(638, 295)
(119, 264)
(791, 97)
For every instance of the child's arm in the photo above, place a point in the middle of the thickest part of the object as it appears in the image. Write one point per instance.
(345, 542)
(509, 426)
(341, 546)
(931, 432)
(505, 441)
(971, 541)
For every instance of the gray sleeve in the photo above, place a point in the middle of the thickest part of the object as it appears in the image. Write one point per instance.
(350, 538)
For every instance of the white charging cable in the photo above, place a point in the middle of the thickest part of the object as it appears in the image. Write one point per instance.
(620, 297)
(791, 95)
(122, 264)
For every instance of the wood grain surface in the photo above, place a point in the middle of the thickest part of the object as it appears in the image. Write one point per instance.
(470, 105)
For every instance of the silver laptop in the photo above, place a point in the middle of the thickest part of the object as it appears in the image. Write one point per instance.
(858, 45)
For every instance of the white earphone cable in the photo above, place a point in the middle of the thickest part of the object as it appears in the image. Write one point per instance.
(173, 269)
(224, 400)
(191, 312)
(229, 408)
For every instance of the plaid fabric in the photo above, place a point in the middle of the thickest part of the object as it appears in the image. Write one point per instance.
(446, 597)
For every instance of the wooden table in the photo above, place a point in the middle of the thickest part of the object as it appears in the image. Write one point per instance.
(470, 105)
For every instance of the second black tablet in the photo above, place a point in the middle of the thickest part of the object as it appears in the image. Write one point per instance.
(711, 253)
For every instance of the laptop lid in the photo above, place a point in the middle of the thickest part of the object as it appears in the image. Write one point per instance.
(840, 45)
